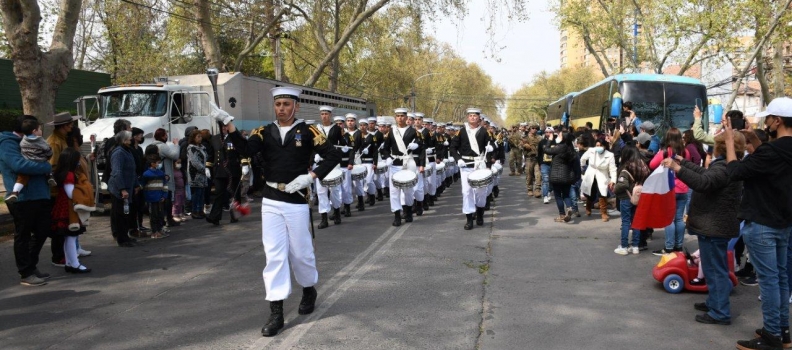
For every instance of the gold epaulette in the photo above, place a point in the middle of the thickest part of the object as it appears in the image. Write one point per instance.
(257, 132)
(209, 164)
(319, 137)
(245, 161)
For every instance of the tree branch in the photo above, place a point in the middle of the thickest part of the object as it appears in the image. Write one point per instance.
(252, 46)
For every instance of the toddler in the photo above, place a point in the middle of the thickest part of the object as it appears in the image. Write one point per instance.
(34, 148)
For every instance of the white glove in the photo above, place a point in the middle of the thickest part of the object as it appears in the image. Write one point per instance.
(461, 163)
(389, 161)
(345, 149)
(299, 183)
(245, 169)
(497, 162)
(489, 148)
(364, 151)
(219, 114)
(412, 146)
(317, 158)
(429, 150)
(445, 143)
(208, 173)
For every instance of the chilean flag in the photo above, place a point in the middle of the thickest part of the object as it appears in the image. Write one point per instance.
(657, 205)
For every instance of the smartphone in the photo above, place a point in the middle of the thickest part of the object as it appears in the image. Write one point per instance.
(737, 123)
(700, 104)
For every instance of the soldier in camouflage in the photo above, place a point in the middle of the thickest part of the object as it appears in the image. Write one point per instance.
(530, 146)
(516, 153)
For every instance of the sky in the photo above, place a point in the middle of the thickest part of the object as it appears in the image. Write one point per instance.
(526, 48)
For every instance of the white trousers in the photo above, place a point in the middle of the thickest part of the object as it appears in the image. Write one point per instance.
(471, 197)
(359, 185)
(429, 182)
(419, 187)
(382, 179)
(399, 197)
(369, 181)
(286, 235)
(346, 186)
(327, 196)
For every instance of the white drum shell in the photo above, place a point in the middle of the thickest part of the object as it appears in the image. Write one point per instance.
(333, 179)
(404, 179)
(480, 178)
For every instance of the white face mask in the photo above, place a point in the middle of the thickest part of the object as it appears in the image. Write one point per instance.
(159, 165)
(558, 140)
(599, 149)
(178, 166)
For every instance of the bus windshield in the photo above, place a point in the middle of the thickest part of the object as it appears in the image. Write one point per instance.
(134, 104)
(666, 105)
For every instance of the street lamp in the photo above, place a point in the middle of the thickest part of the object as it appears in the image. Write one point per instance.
(412, 93)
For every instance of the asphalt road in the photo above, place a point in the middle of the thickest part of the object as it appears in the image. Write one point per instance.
(521, 281)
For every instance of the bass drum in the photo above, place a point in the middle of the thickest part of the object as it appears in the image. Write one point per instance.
(404, 179)
(480, 178)
(359, 172)
(334, 178)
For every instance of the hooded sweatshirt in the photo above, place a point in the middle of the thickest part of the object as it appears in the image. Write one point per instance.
(767, 182)
(12, 163)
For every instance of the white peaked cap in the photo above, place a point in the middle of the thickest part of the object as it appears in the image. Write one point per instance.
(286, 92)
(419, 115)
(400, 111)
(326, 109)
(473, 110)
(411, 115)
(351, 116)
(371, 119)
(338, 118)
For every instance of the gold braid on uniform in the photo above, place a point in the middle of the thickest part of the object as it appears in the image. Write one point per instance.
(318, 137)
(258, 132)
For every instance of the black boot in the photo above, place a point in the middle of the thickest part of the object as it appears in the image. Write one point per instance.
(324, 223)
(480, 216)
(379, 194)
(469, 222)
(408, 217)
(495, 191)
(371, 200)
(337, 216)
(397, 218)
(347, 211)
(428, 202)
(275, 322)
(419, 209)
(386, 192)
(360, 206)
(489, 200)
(308, 301)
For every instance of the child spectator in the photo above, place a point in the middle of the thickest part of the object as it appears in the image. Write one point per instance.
(34, 148)
(179, 193)
(74, 189)
(633, 171)
(155, 191)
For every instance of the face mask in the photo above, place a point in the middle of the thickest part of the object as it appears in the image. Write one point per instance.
(159, 165)
(178, 166)
(558, 140)
(771, 133)
(599, 149)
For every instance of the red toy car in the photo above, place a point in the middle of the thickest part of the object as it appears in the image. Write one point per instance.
(674, 270)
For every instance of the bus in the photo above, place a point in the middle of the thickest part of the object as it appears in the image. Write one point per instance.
(558, 111)
(665, 100)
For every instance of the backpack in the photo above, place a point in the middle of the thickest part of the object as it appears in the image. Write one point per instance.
(635, 194)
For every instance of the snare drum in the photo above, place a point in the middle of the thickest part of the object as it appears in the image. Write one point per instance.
(334, 178)
(428, 171)
(404, 179)
(440, 168)
(480, 178)
(497, 169)
(382, 168)
(359, 172)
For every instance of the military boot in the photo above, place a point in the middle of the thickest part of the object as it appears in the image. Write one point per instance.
(379, 194)
(337, 216)
(347, 211)
(275, 322)
(397, 218)
(409, 210)
(324, 223)
(308, 301)
(480, 216)
(469, 222)
(360, 206)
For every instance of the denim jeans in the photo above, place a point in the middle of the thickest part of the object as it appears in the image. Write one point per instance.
(675, 233)
(197, 200)
(561, 193)
(715, 264)
(768, 248)
(574, 194)
(627, 212)
(545, 170)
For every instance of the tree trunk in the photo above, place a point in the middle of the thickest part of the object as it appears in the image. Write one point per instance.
(762, 78)
(334, 65)
(778, 69)
(39, 74)
(207, 35)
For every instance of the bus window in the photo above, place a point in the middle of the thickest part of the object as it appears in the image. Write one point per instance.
(680, 102)
(648, 100)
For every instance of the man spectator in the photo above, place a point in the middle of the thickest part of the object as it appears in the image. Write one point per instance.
(31, 212)
(766, 207)
(648, 128)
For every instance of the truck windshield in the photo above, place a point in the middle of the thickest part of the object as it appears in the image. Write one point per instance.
(134, 104)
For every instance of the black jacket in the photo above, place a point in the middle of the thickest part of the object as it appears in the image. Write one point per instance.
(715, 200)
(371, 143)
(460, 145)
(561, 170)
(766, 176)
(391, 146)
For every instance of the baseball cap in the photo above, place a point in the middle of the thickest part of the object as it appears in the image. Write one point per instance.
(779, 107)
(643, 138)
(647, 125)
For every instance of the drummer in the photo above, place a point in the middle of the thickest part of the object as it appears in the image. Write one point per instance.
(368, 156)
(452, 133)
(431, 190)
(441, 150)
(355, 139)
(333, 134)
(383, 188)
(402, 145)
(286, 147)
(420, 186)
(468, 150)
(345, 145)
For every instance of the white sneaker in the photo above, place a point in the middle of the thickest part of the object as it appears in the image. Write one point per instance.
(621, 250)
(634, 250)
(82, 252)
(546, 199)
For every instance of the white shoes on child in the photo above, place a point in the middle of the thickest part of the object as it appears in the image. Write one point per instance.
(625, 251)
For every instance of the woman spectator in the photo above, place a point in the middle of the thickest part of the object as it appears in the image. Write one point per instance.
(563, 173)
(600, 176)
(633, 171)
(694, 148)
(713, 218)
(545, 161)
(122, 185)
(65, 222)
(197, 173)
(168, 152)
(139, 209)
(675, 232)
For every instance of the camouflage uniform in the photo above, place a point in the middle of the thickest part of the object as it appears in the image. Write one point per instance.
(533, 177)
(516, 153)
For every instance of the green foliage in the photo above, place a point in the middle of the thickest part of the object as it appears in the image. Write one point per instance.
(530, 102)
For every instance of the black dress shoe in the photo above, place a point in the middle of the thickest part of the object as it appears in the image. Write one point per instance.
(81, 269)
(705, 318)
